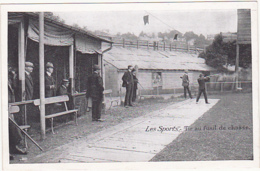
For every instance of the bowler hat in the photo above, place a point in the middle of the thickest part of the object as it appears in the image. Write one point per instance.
(28, 64)
(96, 67)
(49, 65)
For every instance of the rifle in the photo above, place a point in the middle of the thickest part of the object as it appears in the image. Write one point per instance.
(25, 133)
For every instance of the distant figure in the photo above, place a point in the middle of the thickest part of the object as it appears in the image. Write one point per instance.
(28, 81)
(50, 88)
(135, 85)
(185, 83)
(128, 83)
(202, 86)
(95, 91)
(63, 89)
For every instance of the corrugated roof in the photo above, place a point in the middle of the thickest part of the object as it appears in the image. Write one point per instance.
(155, 60)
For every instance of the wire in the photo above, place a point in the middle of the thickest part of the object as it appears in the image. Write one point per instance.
(160, 20)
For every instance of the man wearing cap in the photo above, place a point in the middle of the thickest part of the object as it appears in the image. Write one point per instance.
(128, 83)
(95, 91)
(185, 83)
(28, 81)
(63, 89)
(50, 88)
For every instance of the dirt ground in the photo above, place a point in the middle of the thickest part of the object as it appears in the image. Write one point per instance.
(231, 140)
(67, 133)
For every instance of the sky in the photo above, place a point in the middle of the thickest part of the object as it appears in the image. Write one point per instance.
(199, 21)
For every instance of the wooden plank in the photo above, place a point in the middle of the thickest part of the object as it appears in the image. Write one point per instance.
(60, 114)
(51, 100)
(14, 109)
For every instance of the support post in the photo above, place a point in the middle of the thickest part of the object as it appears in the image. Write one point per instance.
(21, 56)
(42, 81)
(237, 64)
(137, 44)
(71, 68)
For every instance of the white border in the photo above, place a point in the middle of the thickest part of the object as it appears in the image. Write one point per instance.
(123, 7)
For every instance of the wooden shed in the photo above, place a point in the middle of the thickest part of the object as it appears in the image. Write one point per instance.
(158, 71)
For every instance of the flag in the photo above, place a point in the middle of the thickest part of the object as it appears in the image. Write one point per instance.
(175, 36)
(146, 19)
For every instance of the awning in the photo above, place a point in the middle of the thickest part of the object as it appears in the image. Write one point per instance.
(53, 35)
(86, 44)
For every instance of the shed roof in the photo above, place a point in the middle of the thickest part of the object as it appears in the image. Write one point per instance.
(155, 60)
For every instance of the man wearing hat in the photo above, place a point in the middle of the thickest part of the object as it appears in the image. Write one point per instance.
(95, 91)
(50, 88)
(128, 83)
(28, 81)
(185, 83)
(63, 89)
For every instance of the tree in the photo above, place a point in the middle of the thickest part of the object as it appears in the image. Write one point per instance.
(216, 54)
(221, 53)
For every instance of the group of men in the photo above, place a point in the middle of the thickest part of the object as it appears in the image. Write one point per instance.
(202, 86)
(130, 83)
(15, 135)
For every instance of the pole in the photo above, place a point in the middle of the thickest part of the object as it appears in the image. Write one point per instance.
(71, 66)
(237, 64)
(42, 81)
(25, 133)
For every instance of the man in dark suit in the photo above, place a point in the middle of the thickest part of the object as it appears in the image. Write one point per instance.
(135, 85)
(185, 84)
(95, 91)
(28, 81)
(63, 89)
(15, 136)
(128, 83)
(50, 87)
(202, 87)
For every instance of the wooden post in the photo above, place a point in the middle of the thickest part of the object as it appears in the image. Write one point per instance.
(123, 43)
(21, 56)
(147, 45)
(237, 64)
(21, 59)
(42, 81)
(71, 68)
(137, 44)
(164, 46)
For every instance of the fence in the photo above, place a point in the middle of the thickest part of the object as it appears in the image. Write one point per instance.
(222, 87)
(158, 45)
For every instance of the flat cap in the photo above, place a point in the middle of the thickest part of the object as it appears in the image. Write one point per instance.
(65, 80)
(28, 64)
(49, 65)
(96, 67)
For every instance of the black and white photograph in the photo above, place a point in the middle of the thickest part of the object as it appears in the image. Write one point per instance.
(129, 85)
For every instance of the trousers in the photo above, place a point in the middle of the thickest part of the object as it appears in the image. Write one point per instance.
(129, 94)
(186, 88)
(96, 109)
(204, 93)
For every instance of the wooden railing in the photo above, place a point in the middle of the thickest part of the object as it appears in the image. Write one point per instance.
(157, 45)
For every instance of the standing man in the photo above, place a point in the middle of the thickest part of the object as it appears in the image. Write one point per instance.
(135, 84)
(28, 81)
(95, 91)
(15, 136)
(128, 83)
(185, 83)
(50, 88)
(201, 81)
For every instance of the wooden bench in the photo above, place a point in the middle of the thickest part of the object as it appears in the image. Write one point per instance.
(16, 109)
(57, 99)
(109, 91)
